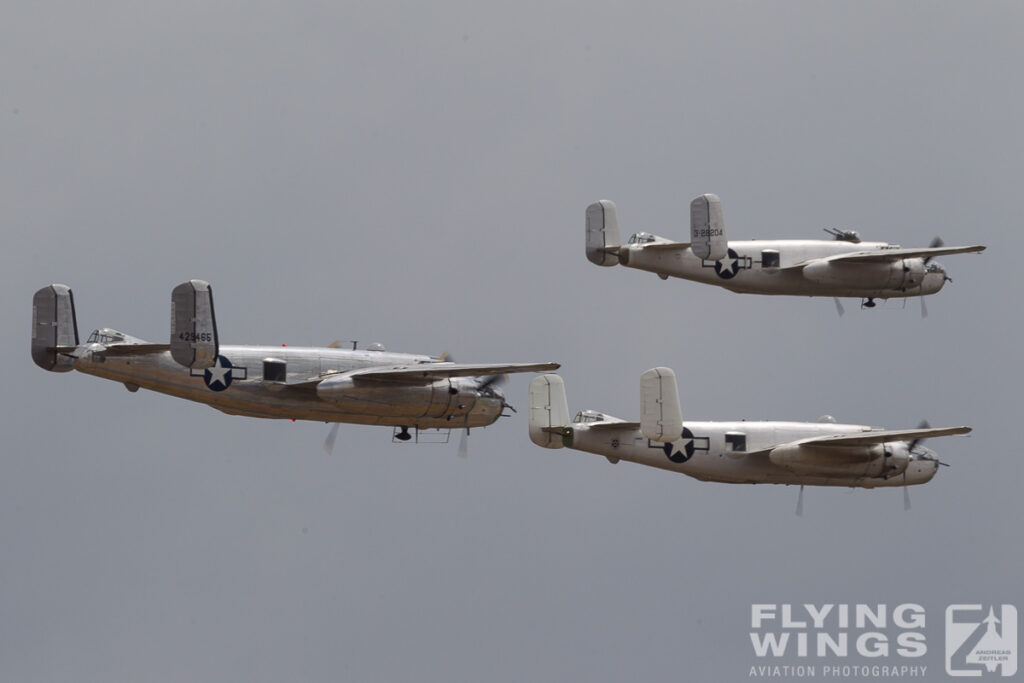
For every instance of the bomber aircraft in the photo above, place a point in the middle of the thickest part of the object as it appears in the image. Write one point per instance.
(819, 453)
(365, 386)
(840, 267)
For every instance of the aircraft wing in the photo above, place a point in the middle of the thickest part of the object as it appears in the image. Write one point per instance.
(431, 372)
(869, 438)
(886, 255)
(882, 436)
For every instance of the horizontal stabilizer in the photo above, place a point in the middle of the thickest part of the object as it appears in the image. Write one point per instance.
(888, 255)
(193, 327)
(549, 411)
(883, 436)
(431, 372)
(609, 425)
(54, 328)
(135, 349)
(667, 246)
(660, 416)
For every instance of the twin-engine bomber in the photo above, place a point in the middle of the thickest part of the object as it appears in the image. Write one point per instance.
(371, 386)
(841, 267)
(744, 452)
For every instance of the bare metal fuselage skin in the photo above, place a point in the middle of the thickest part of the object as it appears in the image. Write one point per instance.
(746, 270)
(707, 452)
(236, 385)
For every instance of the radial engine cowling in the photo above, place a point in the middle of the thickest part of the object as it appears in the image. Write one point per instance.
(878, 460)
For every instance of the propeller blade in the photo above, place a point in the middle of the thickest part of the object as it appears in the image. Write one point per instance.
(800, 502)
(839, 306)
(334, 344)
(924, 309)
(331, 436)
(906, 493)
(491, 379)
(464, 445)
(937, 242)
(913, 442)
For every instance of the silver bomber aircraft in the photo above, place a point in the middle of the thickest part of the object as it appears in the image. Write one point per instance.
(841, 267)
(364, 386)
(743, 452)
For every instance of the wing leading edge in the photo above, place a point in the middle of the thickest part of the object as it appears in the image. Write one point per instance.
(427, 372)
(886, 255)
(869, 438)
(431, 372)
(882, 436)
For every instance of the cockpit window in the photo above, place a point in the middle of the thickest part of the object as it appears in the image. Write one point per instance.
(105, 336)
(935, 267)
(588, 416)
(641, 238)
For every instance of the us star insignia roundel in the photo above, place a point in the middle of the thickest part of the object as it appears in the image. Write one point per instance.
(219, 376)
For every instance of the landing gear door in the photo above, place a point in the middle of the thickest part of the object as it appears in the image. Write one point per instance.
(193, 328)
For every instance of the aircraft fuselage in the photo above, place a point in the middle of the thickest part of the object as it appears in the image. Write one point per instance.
(764, 267)
(276, 382)
(734, 453)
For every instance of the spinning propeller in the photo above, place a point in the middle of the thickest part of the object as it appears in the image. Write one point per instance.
(486, 385)
(913, 443)
(936, 243)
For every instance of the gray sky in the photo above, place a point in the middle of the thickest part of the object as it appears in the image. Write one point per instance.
(417, 175)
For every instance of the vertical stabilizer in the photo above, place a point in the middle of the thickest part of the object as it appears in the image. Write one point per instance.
(660, 416)
(602, 233)
(54, 328)
(707, 228)
(193, 327)
(549, 411)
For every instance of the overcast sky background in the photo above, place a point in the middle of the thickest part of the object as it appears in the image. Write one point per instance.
(417, 175)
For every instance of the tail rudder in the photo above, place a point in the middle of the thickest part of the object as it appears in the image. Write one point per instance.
(193, 327)
(549, 411)
(603, 233)
(707, 228)
(660, 416)
(54, 328)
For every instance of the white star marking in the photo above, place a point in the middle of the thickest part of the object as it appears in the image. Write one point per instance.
(218, 372)
(727, 263)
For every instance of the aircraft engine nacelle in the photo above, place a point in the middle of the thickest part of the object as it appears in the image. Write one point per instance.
(877, 460)
(896, 458)
(438, 399)
(899, 275)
